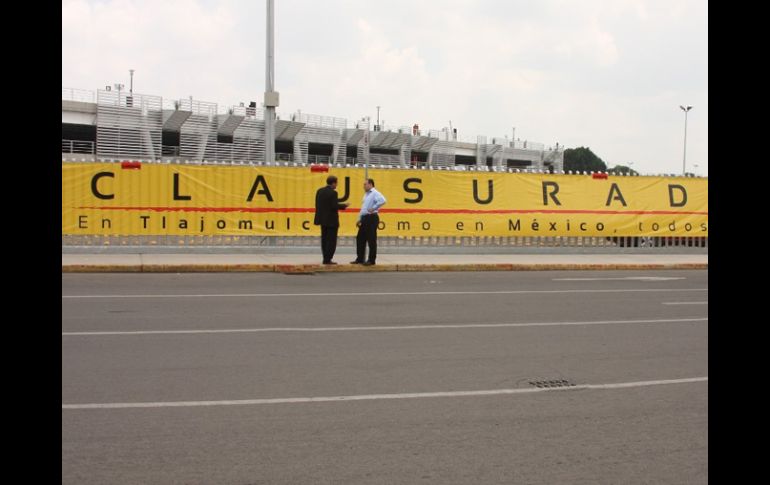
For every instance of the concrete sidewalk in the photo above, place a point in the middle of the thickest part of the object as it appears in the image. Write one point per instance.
(310, 262)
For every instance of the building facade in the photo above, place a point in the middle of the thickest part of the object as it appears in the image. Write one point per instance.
(116, 125)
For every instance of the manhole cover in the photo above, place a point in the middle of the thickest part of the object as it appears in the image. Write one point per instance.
(552, 383)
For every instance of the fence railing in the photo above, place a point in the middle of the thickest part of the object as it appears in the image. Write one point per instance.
(284, 157)
(77, 146)
(320, 121)
(205, 108)
(69, 94)
(698, 244)
(169, 151)
(441, 244)
(319, 159)
(356, 162)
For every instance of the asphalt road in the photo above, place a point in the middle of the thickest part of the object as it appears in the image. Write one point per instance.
(385, 377)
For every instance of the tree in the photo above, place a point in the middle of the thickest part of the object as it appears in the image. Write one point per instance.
(583, 159)
(624, 170)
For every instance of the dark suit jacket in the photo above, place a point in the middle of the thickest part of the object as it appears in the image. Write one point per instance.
(326, 206)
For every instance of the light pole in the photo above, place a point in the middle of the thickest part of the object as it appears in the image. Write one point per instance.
(130, 99)
(684, 158)
(378, 118)
(366, 149)
(119, 87)
(271, 96)
(695, 169)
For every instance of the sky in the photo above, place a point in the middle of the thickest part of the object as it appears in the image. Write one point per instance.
(609, 75)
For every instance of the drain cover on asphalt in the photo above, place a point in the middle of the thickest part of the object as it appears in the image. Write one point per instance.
(553, 383)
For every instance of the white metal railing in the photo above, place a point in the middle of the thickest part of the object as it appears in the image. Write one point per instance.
(171, 104)
(70, 94)
(129, 125)
(123, 99)
(506, 142)
(445, 134)
(448, 244)
(467, 139)
(384, 159)
(284, 157)
(205, 108)
(519, 144)
(532, 145)
(320, 121)
(319, 159)
(247, 111)
(407, 130)
(498, 140)
(77, 146)
(169, 150)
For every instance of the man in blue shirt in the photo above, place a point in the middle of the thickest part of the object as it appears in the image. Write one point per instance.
(368, 220)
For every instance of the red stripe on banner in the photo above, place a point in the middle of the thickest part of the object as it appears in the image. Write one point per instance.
(394, 211)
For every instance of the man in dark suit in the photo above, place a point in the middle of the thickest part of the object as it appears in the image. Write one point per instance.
(327, 204)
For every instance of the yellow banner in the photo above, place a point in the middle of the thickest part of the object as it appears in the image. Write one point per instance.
(187, 200)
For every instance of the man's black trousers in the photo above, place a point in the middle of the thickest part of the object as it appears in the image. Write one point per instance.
(367, 234)
(328, 242)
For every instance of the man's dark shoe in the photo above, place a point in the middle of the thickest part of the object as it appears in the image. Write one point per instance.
(356, 262)
(368, 263)
(329, 262)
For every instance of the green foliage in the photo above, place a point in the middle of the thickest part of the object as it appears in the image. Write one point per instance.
(624, 170)
(583, 159)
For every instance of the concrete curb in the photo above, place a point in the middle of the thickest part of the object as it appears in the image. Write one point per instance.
(349, 268)
(101, 268)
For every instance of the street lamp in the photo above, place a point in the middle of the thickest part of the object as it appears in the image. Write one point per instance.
(271, 96)
(366, 148)
(119, 87)
(378, 119)
(130, 99)
(684, 158)
(695, 169)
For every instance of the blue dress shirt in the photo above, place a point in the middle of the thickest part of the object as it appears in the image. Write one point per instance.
(373, 200)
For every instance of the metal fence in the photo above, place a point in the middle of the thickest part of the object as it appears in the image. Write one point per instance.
(401, 244)
(129, 127)
(77, 146)
(441, 245)
(82, 95)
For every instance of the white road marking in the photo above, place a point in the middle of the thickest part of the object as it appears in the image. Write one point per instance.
(374, 397)
(626, 278)
(391, 327)
(685, 303)
(395, 293)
